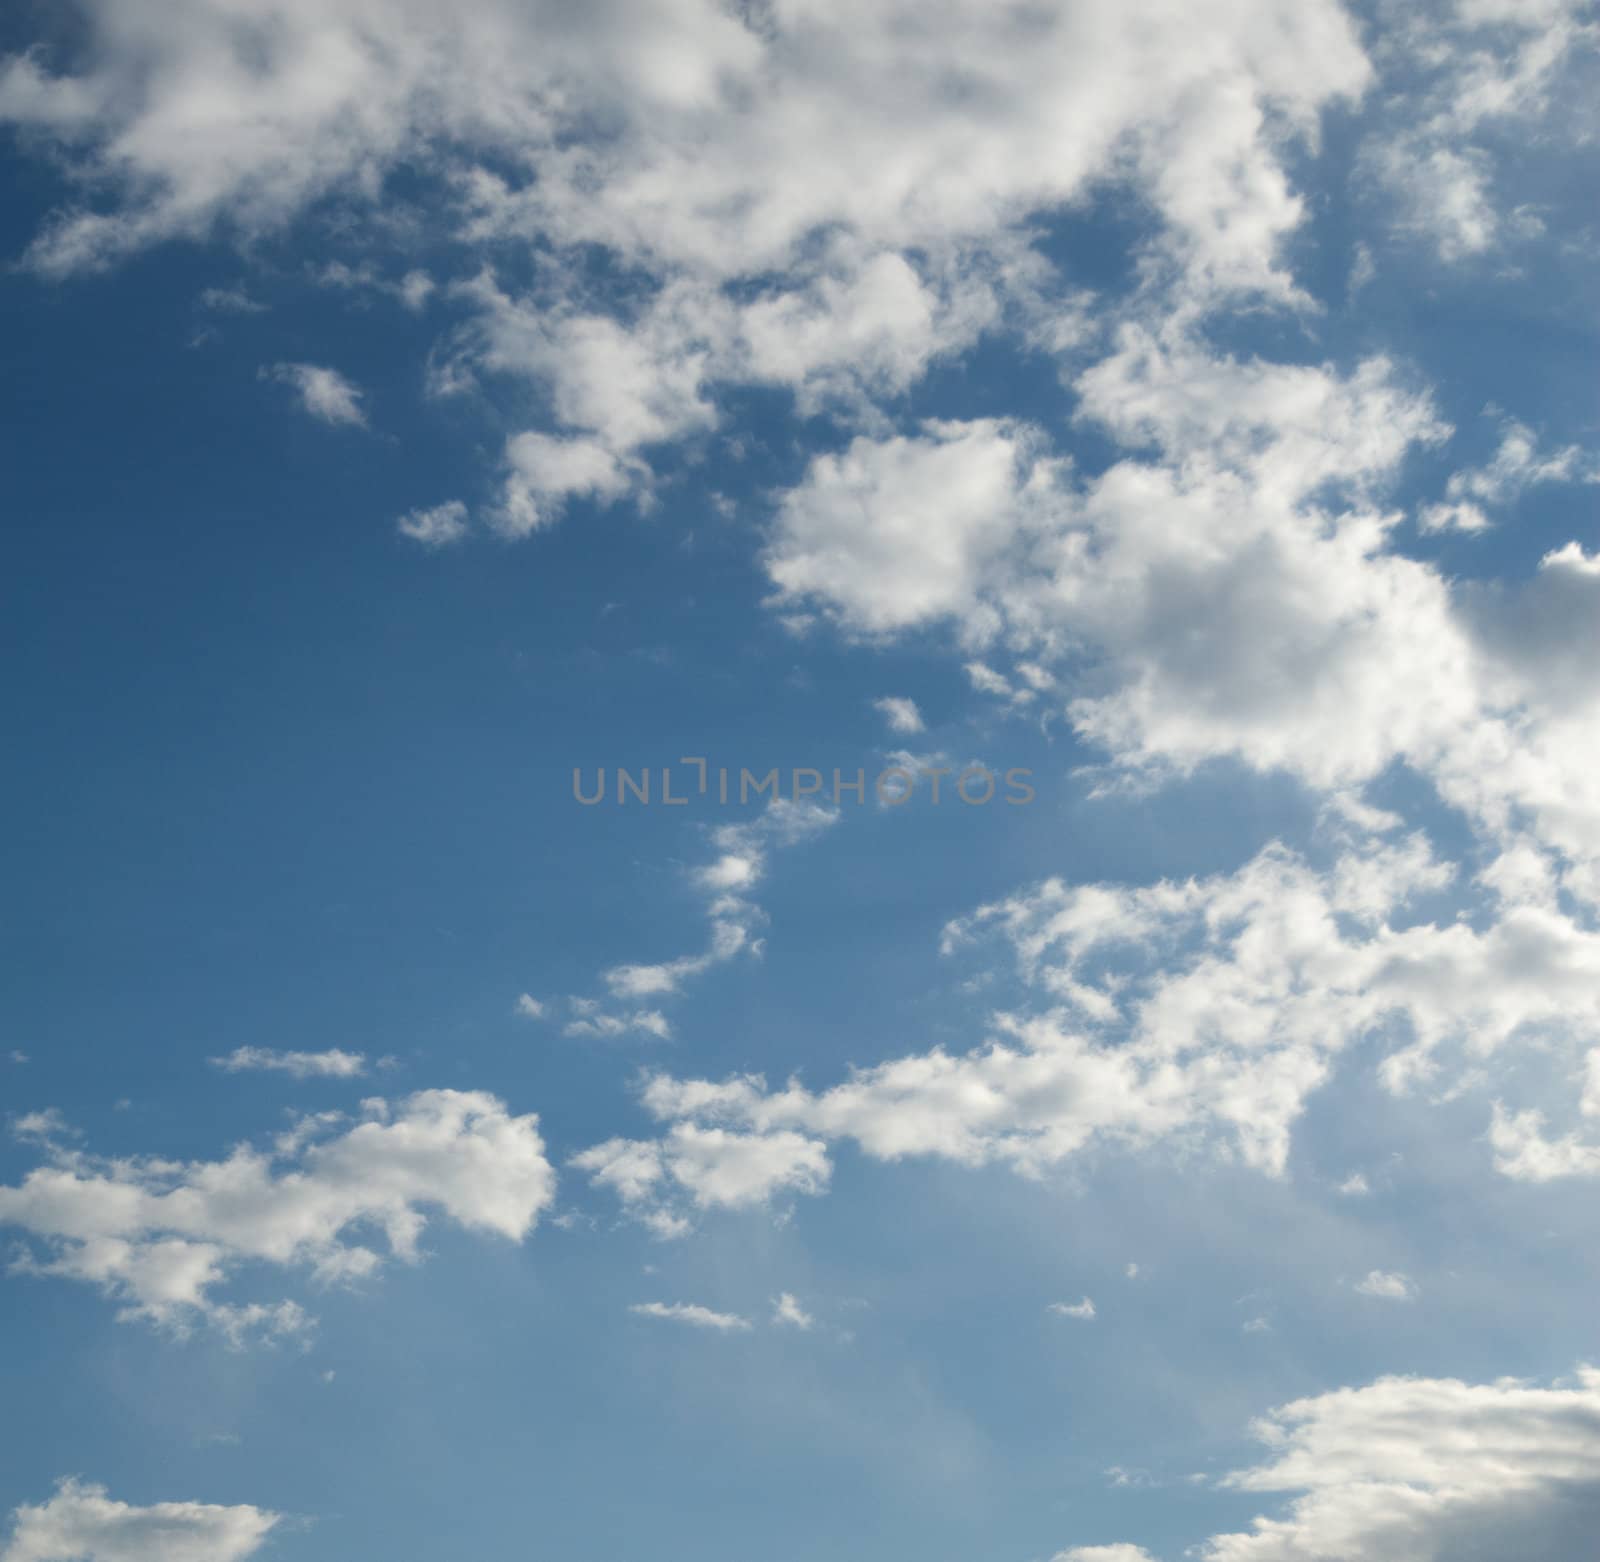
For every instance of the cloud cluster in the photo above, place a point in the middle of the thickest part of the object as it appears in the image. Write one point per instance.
(1231, 586)
(161, 1237)
(1473, 76)
(81, 1523)
(814, 196)
(1203, 1013)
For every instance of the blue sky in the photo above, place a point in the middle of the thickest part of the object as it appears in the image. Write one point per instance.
(410, 408)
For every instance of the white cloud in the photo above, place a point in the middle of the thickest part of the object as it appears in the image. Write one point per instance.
(1420, 1470)
(1389, 1287)
(590, 1019)
(1443, 193)
(731, 140)
(1232, 593)
(1522, 1150)
(1083, 1310)
(437, 527)
(161, 1236)
(1515, 467)
(786, 229)
(529, 1007)
(699, 1168)
(694, 1315)
(324, 393)
(333, 1064)
(901, 714)
(81, 1523)
(787, 1311)
(942, 510)
(1119, 1553)
(42, 1126)
(1355, 1186)
(740, 861)
(1204, 1012)
(1478, 69)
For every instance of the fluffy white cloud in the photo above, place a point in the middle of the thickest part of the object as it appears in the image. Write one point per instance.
(822, 197)
(162, 1236)
(1236, 591)
(1118, 1553)
(1203, 1012)
(1389, 1287)
(904, 531)
(901, 714)
(729, 138)
(1523, 1150)
(1420, 1470)
(82, 1524)
(324, 393)
(333, 1064)
(700, 1168)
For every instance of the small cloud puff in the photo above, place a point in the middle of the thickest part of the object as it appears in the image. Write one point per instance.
(324, 393)
(1083, 1309)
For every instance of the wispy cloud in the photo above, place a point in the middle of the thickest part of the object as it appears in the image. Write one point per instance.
(333, 1064)
(322, 392)
(694, 1315)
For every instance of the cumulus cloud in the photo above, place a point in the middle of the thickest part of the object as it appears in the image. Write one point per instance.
(788, 230)
(332, 1064)
(1232, 589)
(81, 1523)
(1388, 1287)
(323, 393)
(661, 1182)
(162, 1237)
(1525, 1151)
(700, 170)
(1420, 1470)
(943, 510)
(1117, 1553)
